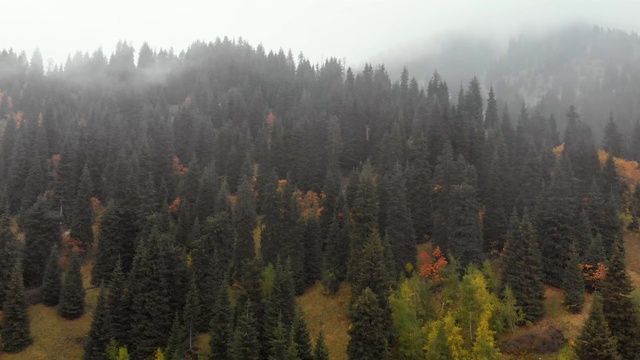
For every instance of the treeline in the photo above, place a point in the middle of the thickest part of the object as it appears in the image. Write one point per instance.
(209, 188)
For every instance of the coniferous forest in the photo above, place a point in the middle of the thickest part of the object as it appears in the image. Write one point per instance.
(186, 202)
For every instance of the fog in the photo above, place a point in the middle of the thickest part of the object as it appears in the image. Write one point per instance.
(353, 30)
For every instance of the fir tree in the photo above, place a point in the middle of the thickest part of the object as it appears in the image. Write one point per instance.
(175, 348)
(595, 340)
(191, 312)
(301, 337)
(101, 331)
(72, 295)
(9, 250)
(41, 231)
(399, 223)
(221, 323)
(312, 251)
(244, 222)
(336, 253)
(280, 341)
(573, 283)
(52, 279)
(321, 352)
(15, 331)
(523, 268)
(82, 211)
(118, 303)
(368, 333)
(244, 344)
(619, 310)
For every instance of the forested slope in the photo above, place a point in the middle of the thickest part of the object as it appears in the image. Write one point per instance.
(206, 190)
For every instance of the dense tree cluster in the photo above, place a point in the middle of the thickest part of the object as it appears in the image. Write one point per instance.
(211, 187)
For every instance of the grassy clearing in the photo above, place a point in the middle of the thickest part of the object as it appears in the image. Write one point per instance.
(55, 338)
(328, 313)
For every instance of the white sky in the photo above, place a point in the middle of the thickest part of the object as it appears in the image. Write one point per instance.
(353, 29)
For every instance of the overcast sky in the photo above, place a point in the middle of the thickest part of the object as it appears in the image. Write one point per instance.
(355, 30)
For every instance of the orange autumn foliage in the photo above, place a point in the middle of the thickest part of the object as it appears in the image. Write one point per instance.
(178, 168)
(309, 203)
(10, 102)
(271, 119)
(187, 101)
(175, 206)
(18, 117)
(628, 170)
(593, 274)
(432, 264)
(96, 205)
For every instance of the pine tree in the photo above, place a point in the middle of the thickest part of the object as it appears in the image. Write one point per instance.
(312, 251)
(573, 282)
(619, 310)
(52, 279)
(464, 234)
(150, 319)
(72, 295)
(280, 341)
(523, 268)
(118, 302)
(176, 342)
(220, 325)
(301, 337)
(41, 231)
(364, 216)
(82, 211)
(419, 190)
(191, 313)
(101, 331)
(244, 344)
(321, 352)
(9, 250)
(336, 253)
(244, 222)
(399, 223)
(595, 340)
(368, 333)
(15, 331)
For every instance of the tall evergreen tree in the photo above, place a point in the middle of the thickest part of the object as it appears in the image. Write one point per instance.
(595, 340)
(245, 222)
(244, 344)
(101, 331)
(221, 331)
(573, 282)
(321, 351)
(41, 231)
(619, 310)
(9, 251)
(368, 333)
(399, 223)
(72, 295)
(52, 279)
(301, 337)
(82, 211)
(15, 332)
(522, 270)
(191, 312)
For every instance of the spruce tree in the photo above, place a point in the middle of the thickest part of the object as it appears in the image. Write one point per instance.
(595, 340)
(101, 331)
(52, 279)
(364, 215)
(301, 337)
(321, 352)
(15, 331)
(368, 332)
(399, 223)
(176, 348)
(312, 251)
(41, 231)
(245, 222)
(118, 301)
(220, 325)
(522, 269)
(619, 310)
(72, 295)
(9, 250)
(82, 211)
(280, 342)
(244, 344)
(336, 254)
(191, 313)
(419, 190)
(573, 282)
(150, 319)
